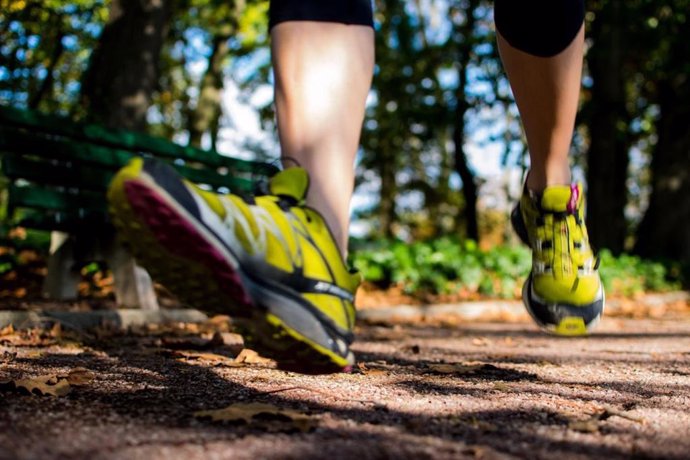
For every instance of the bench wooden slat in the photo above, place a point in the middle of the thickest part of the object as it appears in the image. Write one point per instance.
(125, 140)
(85, 158)
(36, 197)
(25, 143)
(62, 221)
(56, 173)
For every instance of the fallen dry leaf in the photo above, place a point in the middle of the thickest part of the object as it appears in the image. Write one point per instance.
(590, 425)
(219, 320)
(211, 357)
(611, 412)
(27, 256)
(7, 330)
(27, 338)
(266, 416)
(475, 451)
(80, 377)
(593, 423)
(8, 357)
(44, 385)
(248, 356)
(500, 386)
(17, 233)
(454, 368)
(368, 371)
(481, 342)
(56, 330)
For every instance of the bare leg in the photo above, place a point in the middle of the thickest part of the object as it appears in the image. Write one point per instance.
(323, 73)
(546, 92)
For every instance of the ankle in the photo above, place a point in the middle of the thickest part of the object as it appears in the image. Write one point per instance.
(538, 179)
(341, 241)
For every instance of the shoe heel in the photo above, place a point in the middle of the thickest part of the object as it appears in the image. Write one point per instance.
(519, 224)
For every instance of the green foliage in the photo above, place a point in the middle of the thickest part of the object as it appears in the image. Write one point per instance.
(45, 48)
(5, 266)
(3, 197)
(407, 163)
(444, 266)
(196, 26)
(447, 266)
(36, 239)
(408, 136)
(14, 241)
(629, 275)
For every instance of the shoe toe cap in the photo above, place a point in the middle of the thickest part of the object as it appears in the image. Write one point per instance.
(581, 290)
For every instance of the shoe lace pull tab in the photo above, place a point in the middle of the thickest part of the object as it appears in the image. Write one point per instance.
(291, 182)
(574, 198)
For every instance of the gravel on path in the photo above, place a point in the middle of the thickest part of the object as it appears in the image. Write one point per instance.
(474, 390)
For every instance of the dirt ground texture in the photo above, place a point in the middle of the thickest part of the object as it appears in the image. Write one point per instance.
(473, 390)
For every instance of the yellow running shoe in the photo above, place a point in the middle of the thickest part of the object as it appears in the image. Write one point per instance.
(268, 261)
(563, 293)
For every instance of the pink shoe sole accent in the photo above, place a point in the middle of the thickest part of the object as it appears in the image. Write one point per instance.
(177, 236)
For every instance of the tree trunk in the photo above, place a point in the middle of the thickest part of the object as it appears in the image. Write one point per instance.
(389, 188)
(665, 229)
(438, 196)
(469, 188)
(607, 158)
(207, 112)
(123, 72)
(116, 91)
(463, 41)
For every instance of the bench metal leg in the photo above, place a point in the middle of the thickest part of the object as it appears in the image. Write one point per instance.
(133, 285)
(62, 280)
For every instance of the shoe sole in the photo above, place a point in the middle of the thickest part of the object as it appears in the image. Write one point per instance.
(563, 319)
(557, 318)
(195, 266)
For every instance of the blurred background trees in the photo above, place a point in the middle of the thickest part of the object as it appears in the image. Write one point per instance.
(442, 152)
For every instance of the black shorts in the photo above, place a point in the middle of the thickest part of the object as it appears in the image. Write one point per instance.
(352, 12)
(521, 23)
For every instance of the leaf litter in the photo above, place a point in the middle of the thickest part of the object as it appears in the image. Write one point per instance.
(56, 385)
(262, 416)
(44, 385)
(593, 424)
(37, 336)
(246, 357)
(456, 368)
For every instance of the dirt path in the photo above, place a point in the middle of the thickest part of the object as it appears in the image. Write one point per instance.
(471, 391)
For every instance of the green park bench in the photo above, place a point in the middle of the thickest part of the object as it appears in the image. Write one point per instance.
(58, 172)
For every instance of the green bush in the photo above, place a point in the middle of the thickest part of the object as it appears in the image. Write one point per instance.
(629, 275)
(444, 266)
(447, 265)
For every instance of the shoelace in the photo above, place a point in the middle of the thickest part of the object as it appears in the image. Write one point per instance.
(570, 225)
